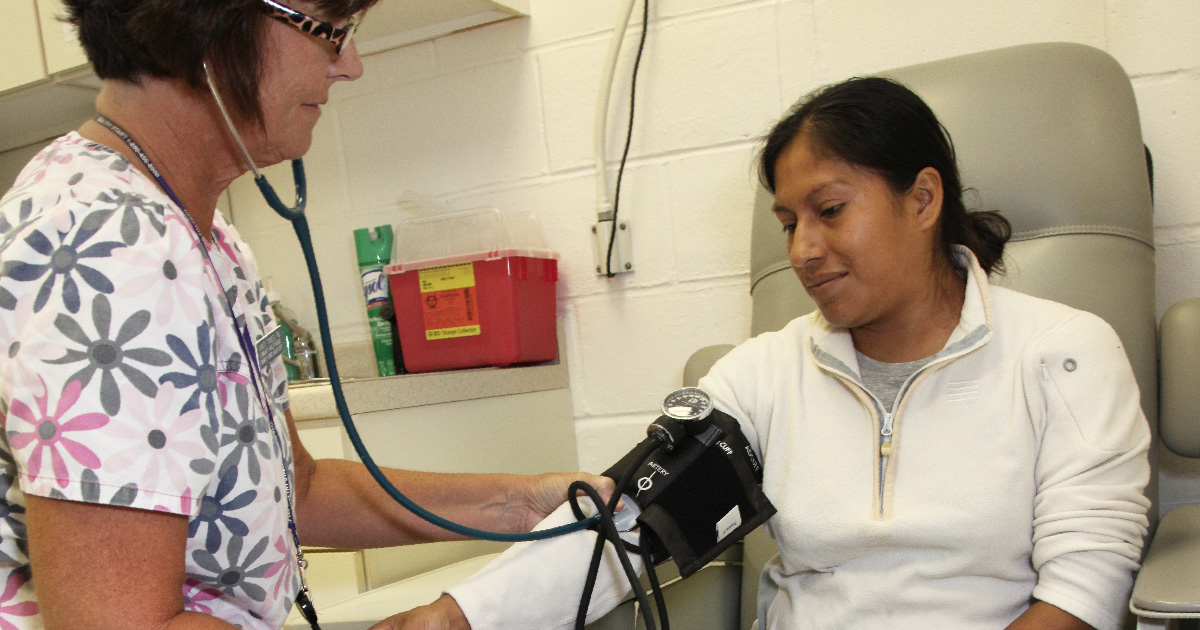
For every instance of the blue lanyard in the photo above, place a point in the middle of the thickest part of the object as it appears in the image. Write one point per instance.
(303, 599)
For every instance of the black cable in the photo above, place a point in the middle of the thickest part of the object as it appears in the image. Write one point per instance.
(641, 453)
(637, 61)
(655, 588)
(610, 531)
(589, 583)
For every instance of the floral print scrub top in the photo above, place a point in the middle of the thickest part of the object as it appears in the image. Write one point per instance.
(122, 381)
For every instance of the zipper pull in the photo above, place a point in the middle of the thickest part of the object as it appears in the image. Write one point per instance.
(885, 446)
(1045, 372)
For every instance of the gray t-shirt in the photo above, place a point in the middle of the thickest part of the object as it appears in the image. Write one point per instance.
(884, 380)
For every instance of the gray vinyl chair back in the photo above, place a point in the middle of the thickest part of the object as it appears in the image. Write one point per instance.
(1048, 135)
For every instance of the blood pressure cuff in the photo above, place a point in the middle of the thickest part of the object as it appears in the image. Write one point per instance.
(701, 498)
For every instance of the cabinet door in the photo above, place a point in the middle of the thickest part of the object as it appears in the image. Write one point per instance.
(21, 46)
(59, 39)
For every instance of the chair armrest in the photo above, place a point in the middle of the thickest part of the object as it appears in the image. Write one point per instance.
(1168, 584)
(701, 362)
(1179, 369)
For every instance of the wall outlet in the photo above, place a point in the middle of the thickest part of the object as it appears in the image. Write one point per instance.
(622, 251)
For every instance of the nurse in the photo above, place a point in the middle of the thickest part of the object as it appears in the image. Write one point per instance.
(150, 471)
(943, 453)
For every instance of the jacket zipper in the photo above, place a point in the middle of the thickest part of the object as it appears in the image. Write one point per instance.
(885, 433)
(889, 417)
(885, 451)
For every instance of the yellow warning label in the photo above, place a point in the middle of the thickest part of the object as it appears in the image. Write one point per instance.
(448, 302)
(451, 333)
(447, 278)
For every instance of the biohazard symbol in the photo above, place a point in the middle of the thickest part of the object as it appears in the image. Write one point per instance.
(431, 301)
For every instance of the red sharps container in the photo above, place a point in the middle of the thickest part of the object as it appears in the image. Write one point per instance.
(473, 289)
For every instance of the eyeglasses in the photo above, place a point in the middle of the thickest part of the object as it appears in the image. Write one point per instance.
(339, 37)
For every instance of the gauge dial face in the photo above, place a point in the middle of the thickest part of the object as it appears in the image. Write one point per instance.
(687, 404)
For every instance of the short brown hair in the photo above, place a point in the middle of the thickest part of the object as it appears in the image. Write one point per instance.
(170, 39)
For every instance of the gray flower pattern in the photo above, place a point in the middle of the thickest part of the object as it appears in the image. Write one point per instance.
(25, 218)
(202, 369)
(64, 254)
(110, 355)
(249, 436)
(234, 574)
(123, 496)
(12, 514)
(136, 209)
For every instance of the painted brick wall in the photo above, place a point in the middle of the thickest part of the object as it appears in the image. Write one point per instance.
(502, 116)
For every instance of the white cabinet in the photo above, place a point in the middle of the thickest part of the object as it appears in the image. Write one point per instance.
(60, 41)
(36, 43)
(45, 110)
(396, 23)
(21, 46)
(47, 88)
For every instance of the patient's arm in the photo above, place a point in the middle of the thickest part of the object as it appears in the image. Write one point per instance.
(531, 585)
(443, 614)
(1040, 616)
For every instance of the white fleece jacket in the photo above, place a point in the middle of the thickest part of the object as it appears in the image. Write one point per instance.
(1017, 469)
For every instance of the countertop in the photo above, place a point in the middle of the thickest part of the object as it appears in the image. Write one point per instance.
(314, 400)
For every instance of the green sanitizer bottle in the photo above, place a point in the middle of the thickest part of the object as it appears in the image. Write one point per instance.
(374, 249)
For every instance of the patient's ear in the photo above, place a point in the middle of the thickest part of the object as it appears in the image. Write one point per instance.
(925, 197)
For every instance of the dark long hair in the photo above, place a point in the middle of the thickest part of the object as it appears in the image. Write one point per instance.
(881, 125)
(169, 39)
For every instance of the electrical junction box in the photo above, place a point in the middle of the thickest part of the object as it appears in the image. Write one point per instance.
(474, 289)
(622, 248)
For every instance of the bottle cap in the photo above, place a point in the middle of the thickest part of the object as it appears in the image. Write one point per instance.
(272, 295)
(373, 245)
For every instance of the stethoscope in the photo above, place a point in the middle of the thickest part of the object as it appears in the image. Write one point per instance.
(295, 214)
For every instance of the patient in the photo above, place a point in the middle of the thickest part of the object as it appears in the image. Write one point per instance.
(943, 453)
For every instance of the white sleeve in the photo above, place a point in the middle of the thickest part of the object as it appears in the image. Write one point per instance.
(539, 584)
(1092, 469)
(735, 384)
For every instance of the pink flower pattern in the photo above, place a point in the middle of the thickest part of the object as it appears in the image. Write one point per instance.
(10, 608)
(284, 569)
(173, 449)
(172, 287)
(195, 593)
(48, 433)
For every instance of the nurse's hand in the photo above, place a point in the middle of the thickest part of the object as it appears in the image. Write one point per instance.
(443, 614)
(546, 492)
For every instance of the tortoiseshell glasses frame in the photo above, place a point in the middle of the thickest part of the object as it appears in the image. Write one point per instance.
(339, 37)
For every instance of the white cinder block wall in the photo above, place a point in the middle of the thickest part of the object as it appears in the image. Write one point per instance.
(502, 116)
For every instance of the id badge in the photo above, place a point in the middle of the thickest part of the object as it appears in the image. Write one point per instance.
(269, 348)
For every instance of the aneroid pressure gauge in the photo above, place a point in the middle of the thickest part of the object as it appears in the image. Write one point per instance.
(688, 404)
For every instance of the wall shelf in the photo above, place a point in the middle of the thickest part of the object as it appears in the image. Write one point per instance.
(366, 395)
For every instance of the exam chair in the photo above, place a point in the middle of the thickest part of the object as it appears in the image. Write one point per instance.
(1049, 135)
(1168, 587)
